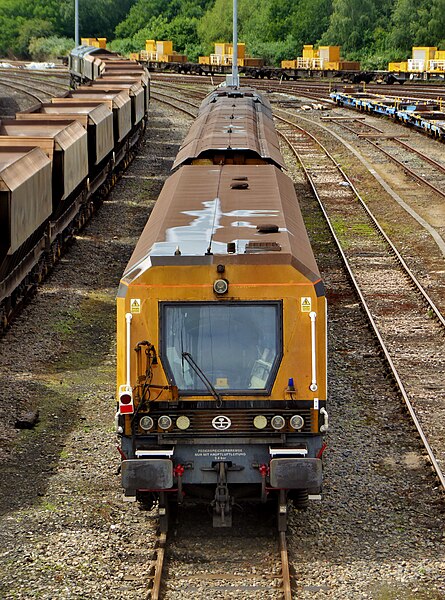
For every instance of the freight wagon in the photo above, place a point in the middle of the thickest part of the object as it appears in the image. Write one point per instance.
(57, 162)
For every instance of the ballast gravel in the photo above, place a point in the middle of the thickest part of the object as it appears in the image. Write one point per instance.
(65, 532)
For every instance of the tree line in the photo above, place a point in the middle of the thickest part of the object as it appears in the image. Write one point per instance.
(372, 31)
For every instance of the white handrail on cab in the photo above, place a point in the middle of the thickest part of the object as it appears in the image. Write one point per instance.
(313, 387)
(128, 318)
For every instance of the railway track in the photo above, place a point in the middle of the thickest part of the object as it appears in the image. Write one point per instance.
(375, 536)
(401, 153)
(29, 89)
(406, 321)
(314, 87)
(176, 103)
(252, 561)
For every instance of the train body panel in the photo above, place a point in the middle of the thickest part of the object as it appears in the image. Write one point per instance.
(25, 195)
(64, 141)
(97, 119)
(136, 93)
(120, 102)
(243, 128)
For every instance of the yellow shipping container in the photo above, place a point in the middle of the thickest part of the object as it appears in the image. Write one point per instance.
(241, 50)
(309, 52)
(329, 53)
(424, 52)
(164, 47)
(96, 42)
(440, 55)
(150, 46)
(221, 48)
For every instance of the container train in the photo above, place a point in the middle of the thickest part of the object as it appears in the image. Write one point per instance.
(221, 328)
(58, 160)
(427, 116)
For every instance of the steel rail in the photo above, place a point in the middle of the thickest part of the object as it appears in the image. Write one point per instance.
(423, 156)
(32, 87)
(407, 169)
(154, 592)
(183, 100)
(285, 573)
(179, 88)
(37, 76)
(18, 89)
(376, 331)
(184, 110)
(430, 303)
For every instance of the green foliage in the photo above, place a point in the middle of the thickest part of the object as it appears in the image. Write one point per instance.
(49, 48)
(373, 31)
(274, 52)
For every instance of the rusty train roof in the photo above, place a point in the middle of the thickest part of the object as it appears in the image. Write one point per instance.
(232, 120)
(202, 209)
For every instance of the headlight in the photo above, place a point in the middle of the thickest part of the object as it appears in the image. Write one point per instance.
(260, 422)
(182, 422)
(296, 422)
(146, 423)
(220, 286)
(278, 422)
(164, 422)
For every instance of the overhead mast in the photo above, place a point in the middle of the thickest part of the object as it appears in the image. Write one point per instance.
(76, 23)
(233, 79)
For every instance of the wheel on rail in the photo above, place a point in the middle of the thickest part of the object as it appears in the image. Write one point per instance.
(165, 509)
(282, 511)
(299, 498)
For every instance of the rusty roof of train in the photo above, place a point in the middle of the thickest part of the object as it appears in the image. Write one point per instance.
(206, 207)
(237, 120)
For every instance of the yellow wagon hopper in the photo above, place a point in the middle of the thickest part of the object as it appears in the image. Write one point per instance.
(221, 346)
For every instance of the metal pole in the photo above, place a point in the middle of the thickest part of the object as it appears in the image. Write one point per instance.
(235, 78)
(76, 22)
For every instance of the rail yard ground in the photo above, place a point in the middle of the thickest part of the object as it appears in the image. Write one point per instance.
(65, 533)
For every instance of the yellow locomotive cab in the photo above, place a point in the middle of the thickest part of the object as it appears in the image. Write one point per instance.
(221, 330)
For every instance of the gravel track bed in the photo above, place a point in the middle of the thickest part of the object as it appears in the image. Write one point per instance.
(415, 341)
(242, 562)
(13, 101)
(65, 532)
(414, 243)
(378, 533)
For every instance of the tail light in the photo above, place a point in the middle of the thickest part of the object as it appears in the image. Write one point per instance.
(126, 406)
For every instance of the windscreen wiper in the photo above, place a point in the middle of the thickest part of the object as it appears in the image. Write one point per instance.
(202, 376)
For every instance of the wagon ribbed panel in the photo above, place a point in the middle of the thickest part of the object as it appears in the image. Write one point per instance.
(26, 196)
(64, 135)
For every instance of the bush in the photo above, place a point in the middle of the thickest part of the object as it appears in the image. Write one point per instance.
(274, 52)
(41, 49)
(123, 46)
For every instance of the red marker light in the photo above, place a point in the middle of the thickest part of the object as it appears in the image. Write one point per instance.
(126, 406)
(125, 399)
